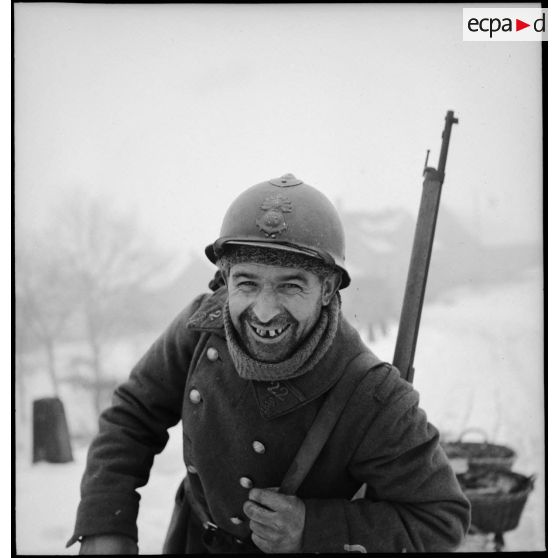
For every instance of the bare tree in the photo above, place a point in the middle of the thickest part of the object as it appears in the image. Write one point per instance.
(44, 299)
(80, 277)
(109, 260)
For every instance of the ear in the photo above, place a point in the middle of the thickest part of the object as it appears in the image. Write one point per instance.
(329, 287)
(224, 277)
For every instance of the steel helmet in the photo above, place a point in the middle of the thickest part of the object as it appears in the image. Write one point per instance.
(286, 214)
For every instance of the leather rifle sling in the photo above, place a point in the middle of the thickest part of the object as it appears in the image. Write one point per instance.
(326, 419)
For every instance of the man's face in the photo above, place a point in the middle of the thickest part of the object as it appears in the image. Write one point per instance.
(273, 309)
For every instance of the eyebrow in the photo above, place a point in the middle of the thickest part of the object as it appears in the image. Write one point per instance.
(294, 276)
(287, 277)
(245, 274)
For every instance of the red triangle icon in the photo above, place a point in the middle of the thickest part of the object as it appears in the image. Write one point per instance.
(519, 25)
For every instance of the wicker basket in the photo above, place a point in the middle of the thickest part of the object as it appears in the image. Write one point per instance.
(497, 498)
(480, 454)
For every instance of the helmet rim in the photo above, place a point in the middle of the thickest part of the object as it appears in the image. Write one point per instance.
(214, 251)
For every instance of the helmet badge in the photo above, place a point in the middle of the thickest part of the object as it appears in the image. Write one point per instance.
(272, 222)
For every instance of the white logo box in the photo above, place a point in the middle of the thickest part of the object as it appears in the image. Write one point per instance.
(502, 24)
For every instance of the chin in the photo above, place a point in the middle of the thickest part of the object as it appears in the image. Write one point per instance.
(263, 352)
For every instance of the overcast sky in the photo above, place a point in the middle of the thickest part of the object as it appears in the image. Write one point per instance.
(170, 111)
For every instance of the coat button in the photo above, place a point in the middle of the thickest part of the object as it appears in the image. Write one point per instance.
(195, 396)
(258, 447)
(245, 482)
(235, 520)
(212, 354)
(191, 469)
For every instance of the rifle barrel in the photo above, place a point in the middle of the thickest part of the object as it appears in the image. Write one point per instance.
(409, 321)
(450, 120)
(411, 310)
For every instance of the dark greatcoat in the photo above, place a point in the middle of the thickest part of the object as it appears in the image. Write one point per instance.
(237, 429)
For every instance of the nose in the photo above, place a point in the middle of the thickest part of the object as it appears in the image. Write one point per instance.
(266, 308)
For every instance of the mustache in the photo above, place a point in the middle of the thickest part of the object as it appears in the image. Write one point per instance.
(278, 322)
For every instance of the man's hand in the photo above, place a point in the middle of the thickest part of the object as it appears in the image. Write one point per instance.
(108, 544)
(276, 520)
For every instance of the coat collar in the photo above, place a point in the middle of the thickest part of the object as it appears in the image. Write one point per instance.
(209, 315)
(280, 397)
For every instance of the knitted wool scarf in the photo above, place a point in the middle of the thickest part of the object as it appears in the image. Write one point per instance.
(303, 359)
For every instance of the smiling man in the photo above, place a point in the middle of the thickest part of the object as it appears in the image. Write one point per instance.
(247, 369)
(272, 308)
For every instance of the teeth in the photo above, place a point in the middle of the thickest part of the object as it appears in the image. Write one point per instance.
(269, 333)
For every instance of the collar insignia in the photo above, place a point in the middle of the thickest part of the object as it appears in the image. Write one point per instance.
(209, 316)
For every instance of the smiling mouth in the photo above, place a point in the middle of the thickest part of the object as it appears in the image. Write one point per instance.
(269, 333)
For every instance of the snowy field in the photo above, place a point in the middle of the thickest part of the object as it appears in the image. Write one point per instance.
(479, 364)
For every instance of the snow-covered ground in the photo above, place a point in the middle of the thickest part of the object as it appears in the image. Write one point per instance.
(479, 364)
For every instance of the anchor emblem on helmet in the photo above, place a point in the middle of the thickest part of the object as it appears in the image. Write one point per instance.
(272, 222)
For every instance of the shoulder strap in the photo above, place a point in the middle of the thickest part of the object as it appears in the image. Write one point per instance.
(326, 419)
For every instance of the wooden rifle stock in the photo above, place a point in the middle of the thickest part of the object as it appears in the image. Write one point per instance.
(409, 321)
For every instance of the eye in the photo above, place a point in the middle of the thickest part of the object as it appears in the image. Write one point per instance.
(246, 286)
(291, 288)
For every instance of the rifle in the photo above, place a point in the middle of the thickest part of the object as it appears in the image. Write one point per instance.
(409, 320)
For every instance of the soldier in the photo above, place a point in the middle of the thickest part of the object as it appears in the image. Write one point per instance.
(247, 368)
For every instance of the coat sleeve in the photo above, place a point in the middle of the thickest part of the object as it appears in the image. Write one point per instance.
(413, 501)
(132, 431)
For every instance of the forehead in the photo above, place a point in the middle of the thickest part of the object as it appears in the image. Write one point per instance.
(266, 272)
